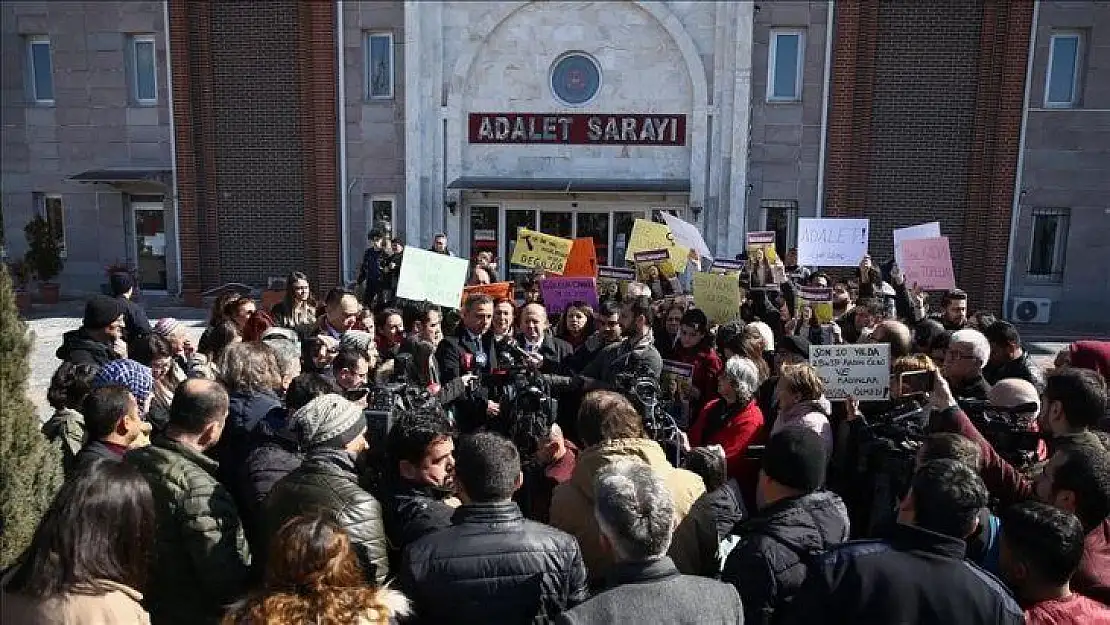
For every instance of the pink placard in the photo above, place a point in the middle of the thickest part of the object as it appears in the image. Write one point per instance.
(928, 264)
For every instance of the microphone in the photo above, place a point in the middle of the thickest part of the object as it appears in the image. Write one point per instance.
(510, 346)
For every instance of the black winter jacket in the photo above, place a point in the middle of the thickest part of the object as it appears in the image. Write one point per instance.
(493, 566)
(916, 577)
(697, 538)
(769, 564)
(412, 512)
(81, 349)
(266, 463)
(327, 482)
(1021, 367)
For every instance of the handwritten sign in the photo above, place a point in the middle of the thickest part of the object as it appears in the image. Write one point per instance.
(675, 378)
(832, 242)
(582, 262)
(660, 259)
(536, 249)
(497, 290)
(686, 233)
(860, 371)
(819, 300)
(928, 264)
(558, 293)
(718, 296)
(930, 230)
(432, 277)
(724, 265)
(763, 241)
(648, 235)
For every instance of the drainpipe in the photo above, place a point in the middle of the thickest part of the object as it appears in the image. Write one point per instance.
(1016, 208)
(825, 110)
(344, 242)
(173, 149)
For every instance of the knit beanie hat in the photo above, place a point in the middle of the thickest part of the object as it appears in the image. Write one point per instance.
(359, 339)
(167, 326)
(101, 311)
(328, 421)
(133, 376)
(795, 457)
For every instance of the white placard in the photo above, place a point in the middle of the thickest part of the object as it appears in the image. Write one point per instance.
(428, 276)
(832, 242)
(860, 371)
(687, 234)
(930, 230)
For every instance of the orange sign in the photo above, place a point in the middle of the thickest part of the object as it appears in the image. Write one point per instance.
(582, 261)
(497, 290)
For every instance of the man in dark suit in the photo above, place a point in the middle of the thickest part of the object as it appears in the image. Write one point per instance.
(540, 345)
(470, 350)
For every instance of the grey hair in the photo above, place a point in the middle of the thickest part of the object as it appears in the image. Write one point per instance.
(979, 344)
(634, 510)
(287, 349)
(744, 377)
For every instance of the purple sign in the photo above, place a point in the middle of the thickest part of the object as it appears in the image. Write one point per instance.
(558, 293)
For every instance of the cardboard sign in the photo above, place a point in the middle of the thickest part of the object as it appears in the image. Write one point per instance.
(582, 262)
(675, 378)
(558, 293)
(928, 264)
(428, 276)
(724, 265)
(860, 371)
(819, 300)
(497, 290)
(930, 230)
(536, 249)
(660, 259)
(764, 241)
(687, 234)
(832, 242)
(718, 296)
(612, 282)
(648, 235)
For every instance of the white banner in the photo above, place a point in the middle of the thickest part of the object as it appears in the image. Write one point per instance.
(860, 371)
(832, 242)
(686, 233)
(432, 277)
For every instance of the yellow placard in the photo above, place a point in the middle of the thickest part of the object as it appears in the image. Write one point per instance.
(648, 235)
(536, 249)
(765, 242)
(718, 296)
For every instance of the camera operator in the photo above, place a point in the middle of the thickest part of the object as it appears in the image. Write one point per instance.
(471, 349)
(633, 354)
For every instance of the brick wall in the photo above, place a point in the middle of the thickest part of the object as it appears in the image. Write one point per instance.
(923, 126)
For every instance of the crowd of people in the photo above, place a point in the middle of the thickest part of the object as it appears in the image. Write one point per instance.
(254, 476)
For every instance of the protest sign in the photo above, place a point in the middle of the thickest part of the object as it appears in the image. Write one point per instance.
(930, 230)
(860, 371)
(558, 293)
(612, 282)
(660, 259)
(675, 378)
(832, 242)
(928, 264)
(432, 277)
(687, 234)
(648, 235)
(763, 241)
(497, 290)
(718, 296)
(724, 265)
(819, 300)
(582, 262)
(536, 249)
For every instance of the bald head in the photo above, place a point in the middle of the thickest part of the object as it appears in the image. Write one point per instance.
(1013, 392)
(196, 403)
(533, 322)
(897, 334)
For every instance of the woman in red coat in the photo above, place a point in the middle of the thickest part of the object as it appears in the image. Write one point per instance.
(695, 347)
(734, 422)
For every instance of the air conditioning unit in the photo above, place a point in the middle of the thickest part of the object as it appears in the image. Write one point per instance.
(1031, 310)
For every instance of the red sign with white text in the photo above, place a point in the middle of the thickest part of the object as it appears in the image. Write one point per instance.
(578, 128)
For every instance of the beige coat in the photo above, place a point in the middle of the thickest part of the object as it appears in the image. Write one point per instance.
(572, 504)
(118, 606)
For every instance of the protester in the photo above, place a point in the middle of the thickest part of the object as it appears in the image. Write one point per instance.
(333, 433)
(210, 353)
(796, 521)
(137, 379)
(314, 576)
(471, 350)
(492, 565)
(607, 332)
(286, 346)
(112, 418)
(576, 325)
(201, 553)
(612, 430)
(552, 464)
(1008, 359)
(439, 245)
(504, 312)
(666, 333)
(695, 347)
(702, 539)
(968, 352)
(635, 513)
(99, 340)
(341, 312)
(350, 368)
(89, 559)
(69, 386)
(297, 310)
(954, 310)
(156, 352)
(421, 477)
(636, 353)
(802, 403)
(896, 334)
(391, 332)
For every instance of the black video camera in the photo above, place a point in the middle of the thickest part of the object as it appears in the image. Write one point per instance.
(1011, 431)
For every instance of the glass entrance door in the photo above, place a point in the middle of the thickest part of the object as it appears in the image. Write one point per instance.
(150, 243)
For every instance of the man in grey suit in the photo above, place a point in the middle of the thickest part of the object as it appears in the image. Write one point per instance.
(635, 513)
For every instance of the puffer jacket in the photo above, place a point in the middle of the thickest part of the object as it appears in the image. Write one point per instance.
(572, 504)
(67, 428)
(493, 566)
(201, 554)
(770, 563)
(413, 511)
(696, 545)
(271, 459)
(327, 481)
(81, 349)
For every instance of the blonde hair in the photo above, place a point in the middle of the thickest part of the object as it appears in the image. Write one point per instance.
(913, 362)
(802, 380)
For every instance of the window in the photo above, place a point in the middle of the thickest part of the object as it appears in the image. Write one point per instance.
(49, 205)
(41, 69)
(379, 212)
(144, 69)
(781, 217)
(784, 66)
(379, 66)
(1061, 85)
(1050, 241)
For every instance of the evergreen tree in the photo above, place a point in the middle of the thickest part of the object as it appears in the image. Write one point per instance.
(30, 467)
